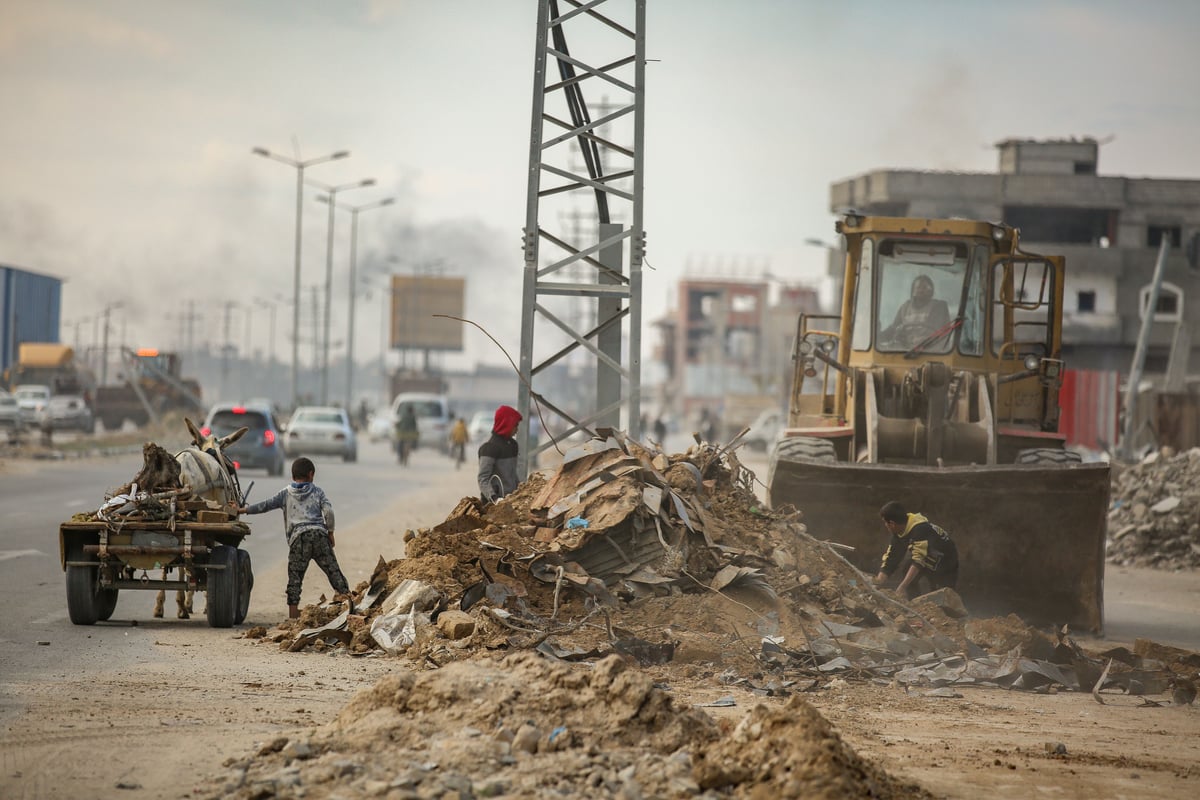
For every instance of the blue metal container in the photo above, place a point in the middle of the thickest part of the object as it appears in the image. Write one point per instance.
(30, 310)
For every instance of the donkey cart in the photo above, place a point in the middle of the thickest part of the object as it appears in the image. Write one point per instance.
(101, 559)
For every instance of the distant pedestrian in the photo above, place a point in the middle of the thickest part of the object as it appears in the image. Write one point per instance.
(406, 433)
(498, 456)
(308, 524)
(458, 441)
(660, 430)
(927, 549)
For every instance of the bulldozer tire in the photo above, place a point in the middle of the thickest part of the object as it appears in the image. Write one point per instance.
(805, 448)
(108, 603)
(245, 585)
(1042, 455)
(83, 595)
(222, 587)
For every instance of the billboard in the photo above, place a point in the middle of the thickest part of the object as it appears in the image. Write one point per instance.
(415, 301)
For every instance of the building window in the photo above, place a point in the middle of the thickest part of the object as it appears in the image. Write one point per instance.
(1086, 302)
(1170, 303)
(1155, 234)
(1085, 167)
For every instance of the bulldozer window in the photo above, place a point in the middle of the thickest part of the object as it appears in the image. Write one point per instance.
(920, 291)
(974, 315)
(1022, 308)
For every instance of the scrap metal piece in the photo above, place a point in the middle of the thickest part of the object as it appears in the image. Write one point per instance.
(747, 578)
(375, 589)
(334, 630)
(646, 653)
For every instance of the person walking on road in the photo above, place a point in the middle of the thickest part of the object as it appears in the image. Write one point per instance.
(308, 524)
(458, 442)
(498, 456)
(926, 548)
(406, 433)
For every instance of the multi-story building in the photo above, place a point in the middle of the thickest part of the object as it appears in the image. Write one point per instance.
(727, 345)
(1108, 228)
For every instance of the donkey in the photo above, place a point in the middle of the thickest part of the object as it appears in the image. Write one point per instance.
(209, 473)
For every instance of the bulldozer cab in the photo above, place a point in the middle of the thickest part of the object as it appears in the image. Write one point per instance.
(954, 293)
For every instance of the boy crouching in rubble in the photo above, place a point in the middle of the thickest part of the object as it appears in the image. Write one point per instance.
(308, 523)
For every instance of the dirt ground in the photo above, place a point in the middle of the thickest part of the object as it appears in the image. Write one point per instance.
(211, 714)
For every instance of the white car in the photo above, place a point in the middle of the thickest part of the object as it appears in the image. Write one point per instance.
(32, 399)
(320, 430)
(380, 426)
(10, 414)
(480, 426)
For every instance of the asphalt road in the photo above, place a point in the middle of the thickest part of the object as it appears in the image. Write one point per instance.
(36, 496)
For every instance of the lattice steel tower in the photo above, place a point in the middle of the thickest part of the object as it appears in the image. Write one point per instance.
(612, 34)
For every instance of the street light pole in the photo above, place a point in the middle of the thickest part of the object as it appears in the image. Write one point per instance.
(299, 166)
(354, 211)
(331, 199)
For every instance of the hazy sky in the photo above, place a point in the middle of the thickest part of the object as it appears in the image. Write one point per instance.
(128, 125)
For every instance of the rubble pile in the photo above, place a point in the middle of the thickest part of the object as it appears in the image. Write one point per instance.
(1155, 516)
(524, 726)
(671, 560)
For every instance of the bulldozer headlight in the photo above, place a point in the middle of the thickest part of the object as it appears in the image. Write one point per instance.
(998, 233)
(1052, 369)
(806, 346)
(810, 371)
(1031, 362)
(828, 345)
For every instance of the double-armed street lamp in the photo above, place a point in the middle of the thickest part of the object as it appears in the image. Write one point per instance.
(331, 200)
(299, 166)
(354, 212)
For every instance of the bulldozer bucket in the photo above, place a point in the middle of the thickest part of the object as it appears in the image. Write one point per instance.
(1030, 538)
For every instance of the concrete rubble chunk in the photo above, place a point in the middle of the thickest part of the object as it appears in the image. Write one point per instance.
(947, 600)
(456, 624)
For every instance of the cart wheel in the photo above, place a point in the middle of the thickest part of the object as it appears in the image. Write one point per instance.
(222, 587)
(245, 585)
(83, 595)
(107, 603)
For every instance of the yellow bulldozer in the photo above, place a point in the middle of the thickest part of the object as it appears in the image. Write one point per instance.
(937, 386)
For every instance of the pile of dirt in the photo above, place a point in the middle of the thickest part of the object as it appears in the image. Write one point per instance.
(1155, 516)
(524, 726)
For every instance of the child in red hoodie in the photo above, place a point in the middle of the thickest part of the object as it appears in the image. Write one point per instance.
(498, 456)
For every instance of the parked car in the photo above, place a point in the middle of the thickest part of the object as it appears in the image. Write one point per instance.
(260, 447)
(10, 415)
(69, 412)
(33, 399)
(480, 426)
(434, 418)
(320, 430)
(380, 426)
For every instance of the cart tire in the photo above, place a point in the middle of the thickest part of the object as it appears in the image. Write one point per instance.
(83, 595)
(108, 603)
(245, 585)
(222, 587)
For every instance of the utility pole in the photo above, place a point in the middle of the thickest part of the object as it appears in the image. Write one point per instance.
(620, 55)
(1125, 450)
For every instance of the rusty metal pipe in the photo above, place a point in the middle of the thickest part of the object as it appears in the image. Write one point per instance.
(146, 550)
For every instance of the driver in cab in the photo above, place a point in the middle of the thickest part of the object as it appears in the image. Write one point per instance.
(919, 317)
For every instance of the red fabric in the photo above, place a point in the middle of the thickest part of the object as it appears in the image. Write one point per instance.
(507, 419)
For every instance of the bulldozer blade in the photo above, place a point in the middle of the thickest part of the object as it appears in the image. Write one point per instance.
(1030, 538)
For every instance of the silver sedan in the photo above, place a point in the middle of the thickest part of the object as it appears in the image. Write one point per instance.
(320, 430)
